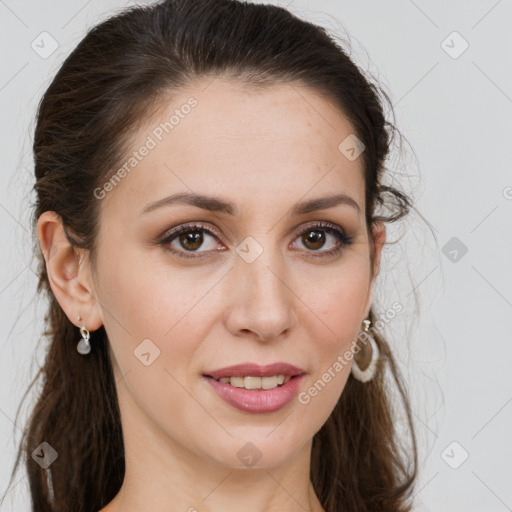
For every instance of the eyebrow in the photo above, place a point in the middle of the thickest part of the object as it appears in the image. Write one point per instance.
(215, 204)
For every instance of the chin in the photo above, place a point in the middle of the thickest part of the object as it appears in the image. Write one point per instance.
(255, 449)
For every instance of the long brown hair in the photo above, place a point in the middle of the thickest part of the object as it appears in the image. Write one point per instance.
(101, 92)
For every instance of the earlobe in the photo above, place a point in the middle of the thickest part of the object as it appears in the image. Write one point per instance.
(69, 277)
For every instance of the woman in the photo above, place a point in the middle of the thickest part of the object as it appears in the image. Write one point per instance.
(209, 175)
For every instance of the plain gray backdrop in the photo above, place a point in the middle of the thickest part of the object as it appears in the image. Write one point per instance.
(447, 69)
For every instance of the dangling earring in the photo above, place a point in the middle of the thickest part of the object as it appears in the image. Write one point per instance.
(83, 347)
(367, 374)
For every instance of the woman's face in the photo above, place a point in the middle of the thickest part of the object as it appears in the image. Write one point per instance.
(245, 288)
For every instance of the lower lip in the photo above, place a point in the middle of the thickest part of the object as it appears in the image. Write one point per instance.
(257, 401)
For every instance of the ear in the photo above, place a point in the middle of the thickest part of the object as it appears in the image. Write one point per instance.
(69, 272)
(378, 235)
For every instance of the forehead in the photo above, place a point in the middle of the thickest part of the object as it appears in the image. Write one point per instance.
(275, 142)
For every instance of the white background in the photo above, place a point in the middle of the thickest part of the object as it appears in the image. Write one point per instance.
(454, 345)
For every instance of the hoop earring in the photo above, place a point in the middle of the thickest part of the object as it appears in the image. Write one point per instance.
(369, 373)
(84, 347)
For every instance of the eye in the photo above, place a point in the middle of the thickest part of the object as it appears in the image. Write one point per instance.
(189, 237)
(314, 238)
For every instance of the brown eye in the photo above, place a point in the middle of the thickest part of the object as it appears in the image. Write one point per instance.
(314, 239)
(185, 241)
(191, 240)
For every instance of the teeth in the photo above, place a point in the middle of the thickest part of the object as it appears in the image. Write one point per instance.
(238, 382)
(250, 382)
(253, 382)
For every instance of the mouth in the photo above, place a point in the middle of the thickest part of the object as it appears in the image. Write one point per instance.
(256, 389)
(254, 376)
(252, 382)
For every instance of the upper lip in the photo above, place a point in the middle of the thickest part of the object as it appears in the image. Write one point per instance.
(255, 370)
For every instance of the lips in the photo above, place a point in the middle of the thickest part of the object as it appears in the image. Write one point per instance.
(256, 401)
(255, 370)
(260, 400)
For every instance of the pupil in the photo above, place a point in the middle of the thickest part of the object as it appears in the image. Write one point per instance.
(316, 238)
(195, 238)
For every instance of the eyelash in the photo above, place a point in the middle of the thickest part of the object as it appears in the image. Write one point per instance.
(344, 239)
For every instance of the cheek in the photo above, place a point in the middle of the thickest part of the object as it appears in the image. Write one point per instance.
(155, 311)
(338, 305)
(144, 298)
(149, 320)
(338, 302)
(333, 330)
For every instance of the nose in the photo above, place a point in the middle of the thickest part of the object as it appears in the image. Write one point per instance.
(262, 302)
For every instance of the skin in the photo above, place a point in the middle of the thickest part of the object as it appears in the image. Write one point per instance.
(265, 150)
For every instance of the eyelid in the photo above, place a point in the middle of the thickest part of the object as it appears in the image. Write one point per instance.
(208, 227)
(192, 226)
(323, 224)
